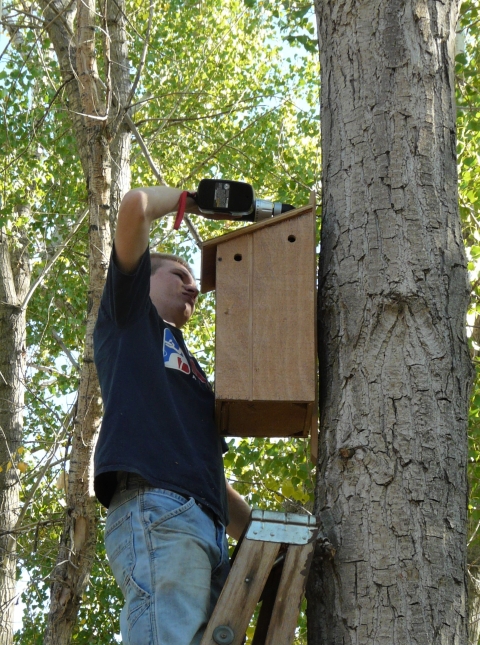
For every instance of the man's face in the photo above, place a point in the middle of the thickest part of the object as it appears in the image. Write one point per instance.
(173, 291)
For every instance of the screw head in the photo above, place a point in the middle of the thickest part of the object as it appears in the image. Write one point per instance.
(223, 635)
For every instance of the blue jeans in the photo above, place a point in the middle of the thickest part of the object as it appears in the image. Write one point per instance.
(170, 559)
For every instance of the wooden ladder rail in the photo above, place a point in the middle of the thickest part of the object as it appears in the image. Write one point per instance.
(269, 535)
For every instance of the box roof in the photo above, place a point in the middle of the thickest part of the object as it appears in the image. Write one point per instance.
(209, 248)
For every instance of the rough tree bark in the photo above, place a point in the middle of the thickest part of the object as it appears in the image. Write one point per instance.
(100, 133)
(14, 285)
(395, 367)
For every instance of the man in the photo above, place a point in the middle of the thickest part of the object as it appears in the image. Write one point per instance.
(158, 461)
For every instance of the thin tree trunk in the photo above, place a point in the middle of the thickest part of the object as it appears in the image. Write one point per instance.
(100, 154)
(394, 361)
(14, 285)
(59, 24)
(473, 553)
(121, 86)
(473, 608)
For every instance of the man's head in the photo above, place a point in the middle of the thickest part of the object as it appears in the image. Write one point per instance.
(173, 288)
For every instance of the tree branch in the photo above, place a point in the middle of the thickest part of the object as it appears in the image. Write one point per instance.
(143, 57)
(229, 140)
(145, 151)
(27, 527)
(193, 231)
(58, 253)
(32, 491)
(70, 357)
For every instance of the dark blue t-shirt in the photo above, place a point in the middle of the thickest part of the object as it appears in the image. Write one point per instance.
(158, 405)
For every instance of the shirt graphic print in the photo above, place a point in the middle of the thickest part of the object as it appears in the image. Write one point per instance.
(173, 355)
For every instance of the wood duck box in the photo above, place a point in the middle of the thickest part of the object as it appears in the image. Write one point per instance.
(265, 355)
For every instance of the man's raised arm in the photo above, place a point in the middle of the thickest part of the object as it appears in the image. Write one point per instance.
(139, 208)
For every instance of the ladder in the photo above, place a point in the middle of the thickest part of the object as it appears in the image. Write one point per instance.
(274, 557)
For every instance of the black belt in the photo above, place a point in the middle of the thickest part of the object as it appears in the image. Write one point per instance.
(130, 481)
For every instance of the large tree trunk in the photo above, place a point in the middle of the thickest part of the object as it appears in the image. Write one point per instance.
(394, 362)
(94, 138)
(14, 285)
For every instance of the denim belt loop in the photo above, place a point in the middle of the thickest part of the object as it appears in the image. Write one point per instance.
(122, 481)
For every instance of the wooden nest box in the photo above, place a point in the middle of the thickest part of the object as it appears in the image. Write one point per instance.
(265, 356)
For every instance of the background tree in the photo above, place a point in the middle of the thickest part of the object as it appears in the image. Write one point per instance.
(14, 285)
(395, 367)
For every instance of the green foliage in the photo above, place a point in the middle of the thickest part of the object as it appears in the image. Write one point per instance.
(272, 474)
(222, 93)
(225, 106)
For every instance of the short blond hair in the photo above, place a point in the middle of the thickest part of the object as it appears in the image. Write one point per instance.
(157, 259)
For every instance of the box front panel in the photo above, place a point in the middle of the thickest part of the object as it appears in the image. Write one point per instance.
(284, 311)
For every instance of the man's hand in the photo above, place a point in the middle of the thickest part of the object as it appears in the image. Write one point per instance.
(239, 512)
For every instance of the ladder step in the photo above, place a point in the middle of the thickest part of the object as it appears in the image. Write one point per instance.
(241, 592)
(289, 595)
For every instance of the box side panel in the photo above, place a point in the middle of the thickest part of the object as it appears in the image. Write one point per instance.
(233, 344)
(284, 361)
(209, 257)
